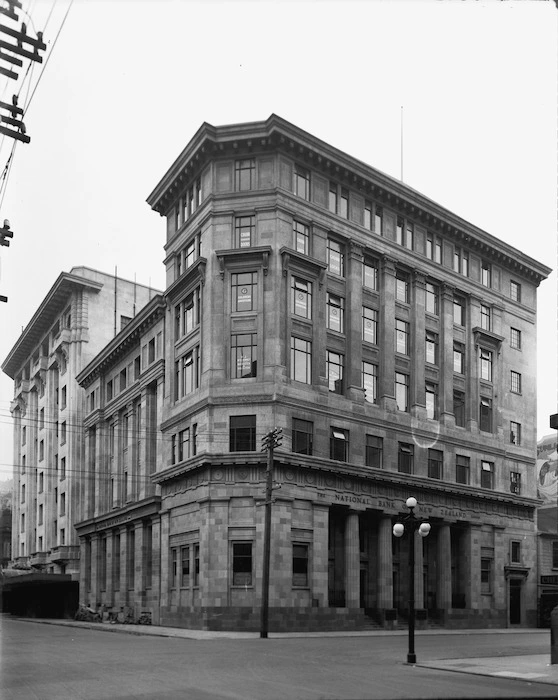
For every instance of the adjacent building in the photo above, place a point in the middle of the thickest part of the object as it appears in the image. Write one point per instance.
(547, 520)
(392, 342)
(82, 311)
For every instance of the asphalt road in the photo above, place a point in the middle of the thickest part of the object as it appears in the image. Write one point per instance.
(48, 662)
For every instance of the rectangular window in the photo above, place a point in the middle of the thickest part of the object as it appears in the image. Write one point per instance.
(302, 182)
(123, 379)
(23, 435)
(402, 391)
(40, 516)
(515, 552)
(63, 398)
(302, 436)
(301, 238)
(301, 360)
(487, 475)
(245, 172)
(459, 358)
(244, 227)
(300, 564)
(402, 287)
(400, 231)
(515, 382)
(244, 286)
(555, 554)
(151, 351)
(335, 258)
(339, 445)
(185, 567)
(242, 433)
(434, 248)
(515, 291)
(344, 203)
(486, 576)
(63, 432)
(242, 564)
(62, 468)
(190, 254)
(174, 568)
(486, 365)
(401, 337)
(301, 297)
(405, 457)
(379, 220)
(187, 374)
(374, 451)
(435, 464)
(486, 317)
(432, 298)
(486, 415)
(459, 310)
(459, 408)
(335, 309)
(462, 469)
(431, 348)
(431, 396)
(515, 433)
(243, 356)
(189, 311)
(332, 199)
(41, 482)
(370, 274)
(62, 504)
(515, 338)
(368, 215)
(196, 565)
(370, 381)
(369, 325)
(334, 369)
(41, 450)
(486, 274)
(515, 483)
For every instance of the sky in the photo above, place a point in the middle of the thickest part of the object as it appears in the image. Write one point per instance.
(126, 83)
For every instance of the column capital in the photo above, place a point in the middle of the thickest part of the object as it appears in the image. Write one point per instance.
(419, 279)
(447, 291)
(388, 265)
(356, 250)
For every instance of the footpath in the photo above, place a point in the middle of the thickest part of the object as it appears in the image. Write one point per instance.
(531, 667)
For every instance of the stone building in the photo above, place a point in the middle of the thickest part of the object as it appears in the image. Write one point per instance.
(82, 311)
(547, 524)
(392, 342)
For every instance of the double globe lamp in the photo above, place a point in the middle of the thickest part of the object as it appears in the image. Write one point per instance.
(411, 524)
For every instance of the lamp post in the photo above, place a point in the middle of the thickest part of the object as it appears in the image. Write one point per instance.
(411, 524)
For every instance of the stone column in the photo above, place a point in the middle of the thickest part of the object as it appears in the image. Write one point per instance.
(155, 568)
(94, 585)
(109, 590)
(386, 389)
(385, 564)
(472, 396)
(320, 554)
(352, 561)
(123, 565)
(84, 551)
(443, 594)
(139, 588)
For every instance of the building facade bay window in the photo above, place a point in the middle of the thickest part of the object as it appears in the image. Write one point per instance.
(374, 451)
(485, 414)
(486, 274)
(459, 310)
(515, 483)
(187, 373)
(458, 358)
(462, 469)
(515, 382)
(515, 338)
(402, 391)
(243, 355)
(244, 290)
(459, 408)
(335, 313)
(515, 433)
(487, 475)
(431, 398)
(435, 464)
(301, 297)
(339, 445)
(401, 337)
(245, 174)
(370, 274)
(242, 564)
(301, 360)
(370, 381)
(405, 458)
(335, 257)
(402, 287)
(335, 363)
(432, 298)
(431, 354)
(486, 317)
(242, 433)
(301, 238)
(369, 325)
(244, 231)
(302, 436)
(187, 314)
(486, 364)
(300, 565)
(515, 291)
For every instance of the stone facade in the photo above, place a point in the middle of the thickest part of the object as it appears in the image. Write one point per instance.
(390, 341)
(82, 311)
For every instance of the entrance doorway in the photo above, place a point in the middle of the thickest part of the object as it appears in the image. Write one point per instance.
(515, 601)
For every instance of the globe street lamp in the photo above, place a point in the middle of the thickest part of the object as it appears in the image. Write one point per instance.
(411, 524)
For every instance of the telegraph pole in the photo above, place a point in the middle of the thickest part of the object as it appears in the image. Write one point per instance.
(269, 441)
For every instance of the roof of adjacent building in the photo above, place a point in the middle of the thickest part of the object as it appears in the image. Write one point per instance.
(211, 141)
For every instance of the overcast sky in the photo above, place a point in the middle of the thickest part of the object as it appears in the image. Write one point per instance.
(128, 83)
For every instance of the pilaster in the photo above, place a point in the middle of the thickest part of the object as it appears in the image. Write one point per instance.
(352, 561)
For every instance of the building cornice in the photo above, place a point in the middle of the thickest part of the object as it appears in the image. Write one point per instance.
(278, 134)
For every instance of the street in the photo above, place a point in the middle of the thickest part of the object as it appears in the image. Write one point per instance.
(47, 662)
